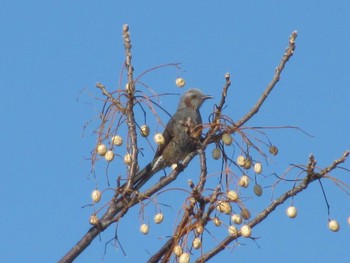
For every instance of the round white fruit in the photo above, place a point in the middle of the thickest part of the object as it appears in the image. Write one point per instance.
(244, 181)
(158, 218)
(258, 168)
(199, 229)
(96, 196)
(237, 219)
(117, 140)
(109, 156)
(217, 221)
(101, 149)
(159, 138)
(127, 159)
(224, 207)
(333, 225)
(177, 250)
(180, 82)
(292, 211)
(197, 243)
(184, 258)
(144, 228)
(240, 160)
(246, 231)
(232, 195)
(93, 220)
(232, 230)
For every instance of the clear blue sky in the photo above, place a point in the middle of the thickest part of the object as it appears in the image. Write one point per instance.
(51, 50)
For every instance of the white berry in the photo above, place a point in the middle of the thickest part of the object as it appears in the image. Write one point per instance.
(232, 196)
(93, 220)
(127, 159)
(232, 230)
(246, 231)
(109, 156)
(199, 229)
(180, 82)
(117, 140)
(292, 211)
(197, 243)
(158, 218)
(144, 228)
(258, 168)
(217, 221)
(177, 250)
(244, 181)
(184, 258)
(237, 219)
(333, 225)
(240, 160)
(224, 207)
(101, 149)
(159, 138)
(96, 196)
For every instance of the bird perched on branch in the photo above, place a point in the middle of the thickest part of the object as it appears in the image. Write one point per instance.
(181, 136)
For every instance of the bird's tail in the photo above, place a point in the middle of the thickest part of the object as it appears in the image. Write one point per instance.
(143, 176)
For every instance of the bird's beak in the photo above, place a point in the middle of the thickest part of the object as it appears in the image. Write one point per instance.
(205, 97)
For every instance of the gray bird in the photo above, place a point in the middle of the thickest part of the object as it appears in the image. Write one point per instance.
(181, 136)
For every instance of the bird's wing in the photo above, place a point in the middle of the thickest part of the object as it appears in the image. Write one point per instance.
(168, 135)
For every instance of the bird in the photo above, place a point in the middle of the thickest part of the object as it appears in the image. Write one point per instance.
(181, 135)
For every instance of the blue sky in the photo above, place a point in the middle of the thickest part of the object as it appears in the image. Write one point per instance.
(52, 50)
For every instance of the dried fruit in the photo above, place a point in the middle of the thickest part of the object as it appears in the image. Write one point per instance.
(245, 213)
(273, 150)
(180, 82)
(145, 130)
(216, 153)
(224, 207)
(93, 220)
(217, 221)
(101, 149)
(258, 189)
(197, 243)
(109, 156)
(227, 139)
(232, 196)
(96, 196)
(244, 181)
(247, 163)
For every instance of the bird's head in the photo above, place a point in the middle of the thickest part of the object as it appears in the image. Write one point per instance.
(193, 98)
